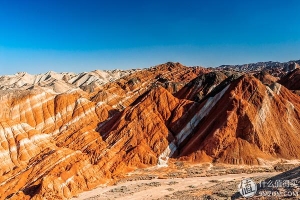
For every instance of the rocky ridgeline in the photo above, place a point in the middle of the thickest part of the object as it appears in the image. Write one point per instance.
(259, 66)
(58, 143)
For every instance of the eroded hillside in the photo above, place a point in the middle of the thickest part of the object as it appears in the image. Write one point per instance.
(62, 134)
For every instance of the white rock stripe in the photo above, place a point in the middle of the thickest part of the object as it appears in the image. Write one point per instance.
(189, 127)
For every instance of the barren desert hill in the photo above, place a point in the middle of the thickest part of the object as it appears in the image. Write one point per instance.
(246, 124)
(62, 134)
(291, 80)
(259, 66)
(61, 82)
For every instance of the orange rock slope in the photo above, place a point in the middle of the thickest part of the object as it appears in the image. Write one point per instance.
(55, 145)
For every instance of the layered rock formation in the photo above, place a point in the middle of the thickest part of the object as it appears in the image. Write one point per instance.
(259, 66)
(291, 67)
(246, 126)
(266, 78)
(61, 82)
(199, 87)
(291, 80)
(57, 143)
(49, 141)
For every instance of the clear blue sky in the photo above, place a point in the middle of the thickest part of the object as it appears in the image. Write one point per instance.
(82, 35)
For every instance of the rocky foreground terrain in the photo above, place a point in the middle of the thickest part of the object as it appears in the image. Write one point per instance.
(183, 180)
(64, 133)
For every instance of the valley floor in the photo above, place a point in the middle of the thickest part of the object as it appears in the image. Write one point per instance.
(184, 181)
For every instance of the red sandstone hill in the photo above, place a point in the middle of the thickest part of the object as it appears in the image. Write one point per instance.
(199, 87)
(291, 80)
(266, 78)
(55, 145)
(249, 123)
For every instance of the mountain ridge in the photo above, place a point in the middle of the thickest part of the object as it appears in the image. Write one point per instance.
(58, 144)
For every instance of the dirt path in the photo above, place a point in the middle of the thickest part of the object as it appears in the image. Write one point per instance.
(158, 188)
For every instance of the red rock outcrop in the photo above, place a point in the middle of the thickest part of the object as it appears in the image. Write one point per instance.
(201, 86)
(291, 80)
(55, 145)
(49, 142)
(246, 126)
(266, 78)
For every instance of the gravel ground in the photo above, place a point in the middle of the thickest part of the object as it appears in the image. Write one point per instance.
(190, 182)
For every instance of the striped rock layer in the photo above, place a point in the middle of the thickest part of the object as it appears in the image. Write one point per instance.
(55, 145)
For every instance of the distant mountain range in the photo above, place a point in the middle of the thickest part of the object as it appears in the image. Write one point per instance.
(261, 65)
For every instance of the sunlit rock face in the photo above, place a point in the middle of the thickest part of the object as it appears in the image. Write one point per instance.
(65, 133)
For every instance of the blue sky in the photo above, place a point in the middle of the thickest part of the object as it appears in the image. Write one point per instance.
(39, 36)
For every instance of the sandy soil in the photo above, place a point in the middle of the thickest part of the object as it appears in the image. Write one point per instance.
(159, 188)
(183, 180)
